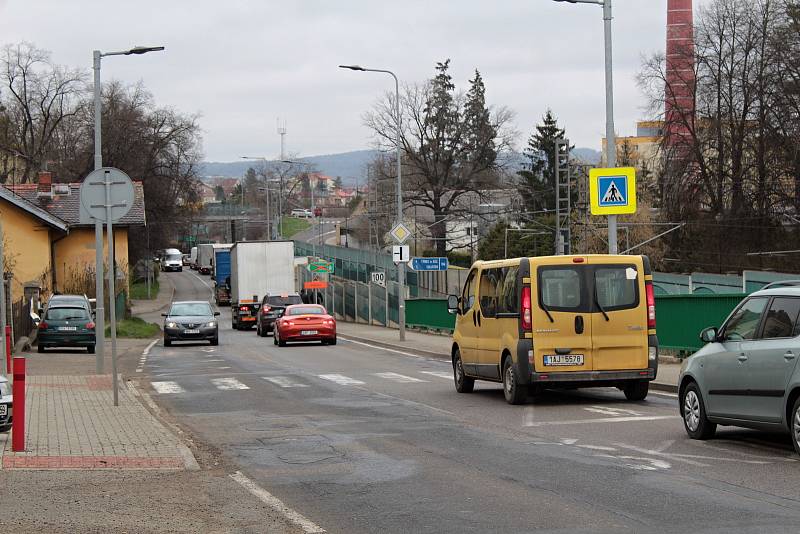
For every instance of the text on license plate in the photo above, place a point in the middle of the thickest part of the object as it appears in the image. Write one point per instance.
(195, 331)
(308, 333)
(563, 359)
(67, 328)
(3, 410)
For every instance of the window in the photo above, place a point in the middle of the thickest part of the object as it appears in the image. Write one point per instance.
(781, 319)
(307, 310)
(197, 309)
(491, 281)
(66, 314)
(468, 296)
(509, 301)
(288, 300)
(617, 287)
(744, 321)
(560, 288)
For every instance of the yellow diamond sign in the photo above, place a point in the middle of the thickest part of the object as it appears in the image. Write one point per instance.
(400, 233)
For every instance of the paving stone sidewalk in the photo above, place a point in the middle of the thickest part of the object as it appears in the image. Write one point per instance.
(71, 423)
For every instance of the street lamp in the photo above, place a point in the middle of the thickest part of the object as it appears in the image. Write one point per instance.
(270, 222)
(97, 55)
(611, 141)
(401, 267)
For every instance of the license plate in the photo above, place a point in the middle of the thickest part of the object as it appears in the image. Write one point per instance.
(191, 331)
(563, 360)
(67, 328)
(3, 410)
(308, 333)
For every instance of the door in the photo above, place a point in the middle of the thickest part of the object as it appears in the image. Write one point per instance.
(562, 329)
(725, 370)
(771, 359)
(489, 327)
(466, 333)
(619, 314)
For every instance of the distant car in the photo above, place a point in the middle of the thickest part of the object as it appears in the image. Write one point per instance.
(302, 214)
(191, 321)
(6, 405)
(66, 326)
(172, 262)
(272, 307)
(305, 322)
(185, 260)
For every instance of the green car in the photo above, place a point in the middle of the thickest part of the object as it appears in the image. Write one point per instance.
(66, 326)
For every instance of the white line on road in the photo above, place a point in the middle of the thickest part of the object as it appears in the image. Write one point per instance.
(403, 379)
(601, 420)
(143, 358)
(228, 384)
(342, 380)
(283, 382)
(344, 336)
(167, 387)
(440, 374)
(276, 504)
(223, 367)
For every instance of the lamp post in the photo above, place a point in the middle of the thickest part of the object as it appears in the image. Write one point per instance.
(401, 267)
(611, 141)
(97, 56)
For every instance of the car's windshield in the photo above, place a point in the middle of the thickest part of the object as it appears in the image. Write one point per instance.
(68, 301)
(191, 308)
(66, 314)
(307, 310)
(174, 257)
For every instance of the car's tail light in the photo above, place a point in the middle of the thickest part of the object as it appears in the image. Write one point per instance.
(90, 325)
(266, 309)
(329, 322)
(42, 326)
(651, 305)
(525, 306)
(243, 308)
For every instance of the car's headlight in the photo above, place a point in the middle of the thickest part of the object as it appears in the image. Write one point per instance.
(211, 324)
(172, 325)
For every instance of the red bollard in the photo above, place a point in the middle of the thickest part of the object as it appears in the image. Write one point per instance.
(18, 422)
(8, 348)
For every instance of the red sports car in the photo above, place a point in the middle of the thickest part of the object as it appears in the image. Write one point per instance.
(305, 322)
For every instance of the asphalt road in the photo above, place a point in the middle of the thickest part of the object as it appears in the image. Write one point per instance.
(364, 439)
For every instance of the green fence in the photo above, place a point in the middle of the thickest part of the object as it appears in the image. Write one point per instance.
(429, 313)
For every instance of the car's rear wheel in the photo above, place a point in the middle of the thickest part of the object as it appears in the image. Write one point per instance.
(215, 341)
(795, 425)
(40, 349)
(332, 341)
(259, 332)
(278, 340)
(513, 390)
(693, 413)
(636, 390)
(464, 384)
(167, 342)
(90, 349)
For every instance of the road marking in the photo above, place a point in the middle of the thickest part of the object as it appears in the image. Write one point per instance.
(344, 336)
(403, 379)
(342, 380)
(440, 374)
(167, 387)
(223, 367)
(308, 526)
(601, 420)
(216, 360)
(143, 358)
(228, 384)
(606, 410)
(283, 382)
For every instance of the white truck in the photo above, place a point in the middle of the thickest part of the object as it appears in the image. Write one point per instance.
(205, 256)
(258, 268)
(193, 258)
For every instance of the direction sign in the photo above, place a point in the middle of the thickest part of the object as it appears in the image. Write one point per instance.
(94, 199)
(379, 277)
(401, 253)
(612, 191)
(320, 267)
(429, 264)
(400, 233)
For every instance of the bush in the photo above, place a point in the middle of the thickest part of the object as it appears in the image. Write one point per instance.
(135, 328)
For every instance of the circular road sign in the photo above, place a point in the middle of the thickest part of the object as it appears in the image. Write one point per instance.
(93, 193)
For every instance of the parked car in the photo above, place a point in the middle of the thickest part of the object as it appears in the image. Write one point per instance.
(305, 322)
(72, 300)
(191, 321)
(6, 405)
(301, 213)
(747, 375)
(66, 326)
(272, 307)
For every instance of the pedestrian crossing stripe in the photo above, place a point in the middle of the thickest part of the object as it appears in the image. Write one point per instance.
(612, 191)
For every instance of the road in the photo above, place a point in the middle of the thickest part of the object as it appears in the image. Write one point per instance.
(362, 439)
(321, 231)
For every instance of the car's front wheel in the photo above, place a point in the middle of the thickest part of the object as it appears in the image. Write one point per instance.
(693, 413)
(464, 384)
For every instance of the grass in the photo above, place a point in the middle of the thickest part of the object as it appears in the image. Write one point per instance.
(135, 328)
(294, 225)
(139, 290)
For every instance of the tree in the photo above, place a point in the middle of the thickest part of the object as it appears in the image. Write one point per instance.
(449, 143)
(219, 193)
(337, 183)
(538, 180)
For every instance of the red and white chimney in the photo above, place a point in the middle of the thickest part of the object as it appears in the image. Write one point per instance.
(680, 75)
(44, 187)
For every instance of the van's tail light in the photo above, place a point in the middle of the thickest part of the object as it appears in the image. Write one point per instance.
(526, 308)
(651, 305)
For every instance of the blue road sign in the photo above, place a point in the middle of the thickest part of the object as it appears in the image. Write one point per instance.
(429, 264)
(613, 191)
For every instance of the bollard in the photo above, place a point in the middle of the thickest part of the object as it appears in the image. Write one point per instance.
(8, 349)
(18, 421)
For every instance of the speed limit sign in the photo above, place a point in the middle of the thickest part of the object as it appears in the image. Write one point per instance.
(379, 277)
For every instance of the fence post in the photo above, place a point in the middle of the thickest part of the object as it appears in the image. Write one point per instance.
(344, 299)
(355, 301)
(369, 302)
(386, 305)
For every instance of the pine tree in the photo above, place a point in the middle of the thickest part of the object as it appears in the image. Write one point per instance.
(538, 179)
(480, 131)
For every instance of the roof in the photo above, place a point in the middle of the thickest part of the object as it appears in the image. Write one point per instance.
(67, 207)
(33, 209)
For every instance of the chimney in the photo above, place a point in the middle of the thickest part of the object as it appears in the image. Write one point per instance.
(680, 76)
(45, 185)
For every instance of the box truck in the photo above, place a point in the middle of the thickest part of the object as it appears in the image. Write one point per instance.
(258, 268)
(222, 276)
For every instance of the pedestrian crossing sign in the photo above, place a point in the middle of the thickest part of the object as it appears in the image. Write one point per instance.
(612, 191)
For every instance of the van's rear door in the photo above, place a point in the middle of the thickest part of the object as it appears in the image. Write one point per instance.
(562, 326)
(619, 335)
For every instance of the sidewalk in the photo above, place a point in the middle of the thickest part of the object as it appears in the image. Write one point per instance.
(438, 346)
(165, 293)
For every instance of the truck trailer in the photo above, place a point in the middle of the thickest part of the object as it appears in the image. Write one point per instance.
(258, 268)
(222, 276)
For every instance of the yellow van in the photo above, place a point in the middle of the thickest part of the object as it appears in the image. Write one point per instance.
(556, 322)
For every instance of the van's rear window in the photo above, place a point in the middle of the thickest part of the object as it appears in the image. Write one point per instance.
(581, 288)
(561, 288)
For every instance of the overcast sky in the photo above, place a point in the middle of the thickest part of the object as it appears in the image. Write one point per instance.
(241, 64)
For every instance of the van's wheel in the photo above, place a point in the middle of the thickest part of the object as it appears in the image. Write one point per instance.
(636, 390)
(464, 384)
(795, 425)
(513, 390)
(693, 413)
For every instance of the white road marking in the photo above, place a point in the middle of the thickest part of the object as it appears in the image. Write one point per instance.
(440, 374)
(143, 358)
(403, 379)
(223, 367)
(228, 384)
(342, 380)
(601, 420)
(276, 504)
(167, 387)
(597, 448)
(283, 382)
(216, 360)
(344, 336)
(606, 410)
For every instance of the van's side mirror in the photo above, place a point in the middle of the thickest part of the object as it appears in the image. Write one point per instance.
(709, 335)
(216, 314)
(452, 303)
(164, 315)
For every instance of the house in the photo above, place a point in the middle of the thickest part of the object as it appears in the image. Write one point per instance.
(206, 193)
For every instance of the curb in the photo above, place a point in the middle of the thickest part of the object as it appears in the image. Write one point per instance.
(661, 386)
